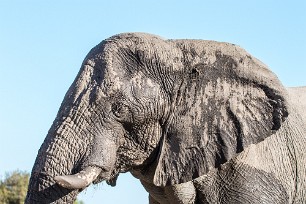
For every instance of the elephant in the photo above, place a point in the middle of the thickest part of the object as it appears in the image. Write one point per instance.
(196, 121)
(298, 98)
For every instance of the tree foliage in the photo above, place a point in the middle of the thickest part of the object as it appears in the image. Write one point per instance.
(78, 202)
(13, 188)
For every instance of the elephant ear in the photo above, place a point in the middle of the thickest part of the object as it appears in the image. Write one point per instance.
(226, 101)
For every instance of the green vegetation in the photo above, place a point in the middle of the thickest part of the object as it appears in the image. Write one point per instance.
(78, 202)
(14, 186)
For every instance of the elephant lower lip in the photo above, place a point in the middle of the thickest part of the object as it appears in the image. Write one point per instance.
(112, 182)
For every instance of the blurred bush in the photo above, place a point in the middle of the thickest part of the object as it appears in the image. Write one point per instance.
(14, 186)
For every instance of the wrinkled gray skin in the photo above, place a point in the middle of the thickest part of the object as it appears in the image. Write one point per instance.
(298, 100)
(196, 121)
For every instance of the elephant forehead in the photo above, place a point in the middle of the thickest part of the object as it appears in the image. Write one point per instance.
(139, 81)
(143, 86)
(113, 80)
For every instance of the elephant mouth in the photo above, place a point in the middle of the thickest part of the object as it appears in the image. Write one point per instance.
(112, 181)
(109, 178)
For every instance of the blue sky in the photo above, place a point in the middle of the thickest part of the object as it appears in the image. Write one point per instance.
(43, 43)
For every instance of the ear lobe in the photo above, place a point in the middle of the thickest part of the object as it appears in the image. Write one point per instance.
(228, 107)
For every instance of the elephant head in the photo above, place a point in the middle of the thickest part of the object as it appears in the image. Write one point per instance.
(170, 109)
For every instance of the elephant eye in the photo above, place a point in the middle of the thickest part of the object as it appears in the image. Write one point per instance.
(119, 110)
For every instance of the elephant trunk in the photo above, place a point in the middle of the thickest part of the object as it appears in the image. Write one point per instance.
(61, 153)
(68, 145)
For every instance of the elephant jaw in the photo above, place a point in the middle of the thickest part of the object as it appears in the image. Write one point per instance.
(79, 180)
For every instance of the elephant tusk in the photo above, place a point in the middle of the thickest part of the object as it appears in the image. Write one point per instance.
(80, 180)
